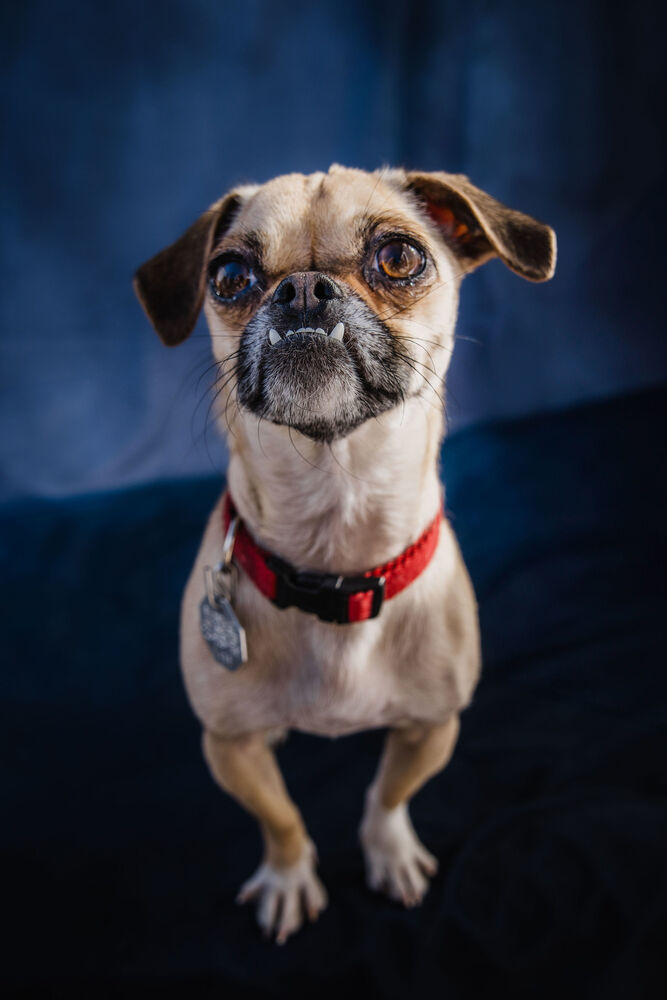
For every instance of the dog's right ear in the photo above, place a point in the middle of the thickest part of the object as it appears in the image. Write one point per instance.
(172, 284)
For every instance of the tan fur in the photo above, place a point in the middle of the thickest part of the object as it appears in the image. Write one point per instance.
(247, 769)
(341, 508)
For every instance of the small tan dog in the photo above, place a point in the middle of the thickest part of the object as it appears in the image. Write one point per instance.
(331, 300)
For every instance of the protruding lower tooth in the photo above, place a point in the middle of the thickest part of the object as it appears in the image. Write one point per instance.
(320, 330)
(290, 333)
(274, 336)
(337, 332)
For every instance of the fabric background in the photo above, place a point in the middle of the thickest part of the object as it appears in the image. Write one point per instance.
(124, 121)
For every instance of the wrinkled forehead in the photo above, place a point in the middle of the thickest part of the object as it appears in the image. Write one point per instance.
(321, 221)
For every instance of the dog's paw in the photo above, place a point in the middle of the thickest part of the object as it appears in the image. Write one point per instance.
(396, 860)
(283, 894)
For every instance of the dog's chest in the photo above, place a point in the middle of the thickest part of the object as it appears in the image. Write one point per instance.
(301, 673)
(338, 684)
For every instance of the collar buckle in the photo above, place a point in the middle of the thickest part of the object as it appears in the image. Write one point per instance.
(323, 594)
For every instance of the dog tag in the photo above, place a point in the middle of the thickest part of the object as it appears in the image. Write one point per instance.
(224, 634)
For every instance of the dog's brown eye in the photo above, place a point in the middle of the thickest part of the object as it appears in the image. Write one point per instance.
(399, 259)
(231, 277)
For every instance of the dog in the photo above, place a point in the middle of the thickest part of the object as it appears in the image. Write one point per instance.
(329, 594)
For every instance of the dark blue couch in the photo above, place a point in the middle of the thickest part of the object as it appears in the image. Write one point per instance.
(550, 822)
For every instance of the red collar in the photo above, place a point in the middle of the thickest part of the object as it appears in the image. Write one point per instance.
(340, 599)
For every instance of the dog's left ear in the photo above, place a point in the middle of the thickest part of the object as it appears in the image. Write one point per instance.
(477, 227)
(171, 285)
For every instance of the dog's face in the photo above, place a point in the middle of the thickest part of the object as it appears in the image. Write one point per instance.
(332, 297)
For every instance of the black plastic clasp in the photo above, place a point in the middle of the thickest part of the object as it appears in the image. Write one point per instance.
(323, 594)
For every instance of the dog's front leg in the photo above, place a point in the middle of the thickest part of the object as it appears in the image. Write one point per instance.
(396, 860)
(286, 879)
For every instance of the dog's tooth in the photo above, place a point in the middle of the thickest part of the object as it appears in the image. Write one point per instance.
(290, 333)
(274, 336)
(320, 330)
(337, 332)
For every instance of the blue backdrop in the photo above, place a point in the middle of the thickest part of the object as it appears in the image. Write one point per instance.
(125, 120)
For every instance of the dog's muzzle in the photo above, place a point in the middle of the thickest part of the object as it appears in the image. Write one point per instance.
(317, 358)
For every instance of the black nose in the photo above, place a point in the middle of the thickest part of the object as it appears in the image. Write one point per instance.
(305, 292)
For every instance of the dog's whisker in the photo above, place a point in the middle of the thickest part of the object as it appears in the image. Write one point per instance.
(300, 454)
(425, 340)
(214, 392)
(381, 175)
(471, 340)
(436, 286)
(409, 362)
(230, 397)
(209, 367)
(424, 349)
(217, 366)
(218, 390)
(223, 377)
(348, 472)
(416, 361)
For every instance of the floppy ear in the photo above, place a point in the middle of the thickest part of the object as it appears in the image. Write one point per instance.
(171, 285)
(477, 227)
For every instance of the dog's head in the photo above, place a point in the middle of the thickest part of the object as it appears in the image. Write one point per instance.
(332, 297)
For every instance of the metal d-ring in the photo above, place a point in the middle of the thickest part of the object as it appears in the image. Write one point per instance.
(228, 544)
(218, 578)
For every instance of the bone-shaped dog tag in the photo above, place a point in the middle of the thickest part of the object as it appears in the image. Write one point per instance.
(224, 634)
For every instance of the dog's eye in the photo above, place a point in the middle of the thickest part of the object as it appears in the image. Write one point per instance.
(230, 278)
(398, 259)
